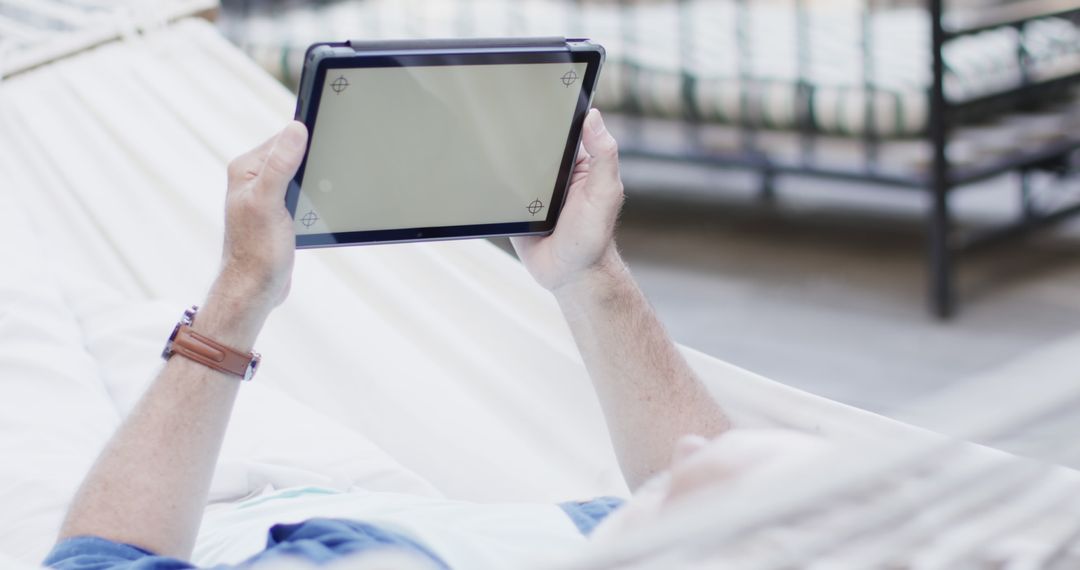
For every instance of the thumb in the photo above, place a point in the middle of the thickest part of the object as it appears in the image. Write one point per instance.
(603, 152)
(284, 158)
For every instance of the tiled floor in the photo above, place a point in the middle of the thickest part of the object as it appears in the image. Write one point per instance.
(826, 292)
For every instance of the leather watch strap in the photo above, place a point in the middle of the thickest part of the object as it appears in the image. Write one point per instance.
(209, 352)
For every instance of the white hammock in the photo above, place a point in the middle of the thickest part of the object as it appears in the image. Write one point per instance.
(440, 367)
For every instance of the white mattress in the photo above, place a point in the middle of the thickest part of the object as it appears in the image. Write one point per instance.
(438, 368)
(721, 52)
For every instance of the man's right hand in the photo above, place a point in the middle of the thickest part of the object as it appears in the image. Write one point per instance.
(650, 395)
(583, 241)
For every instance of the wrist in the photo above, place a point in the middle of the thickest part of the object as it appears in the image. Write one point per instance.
(252, 280)
(232, 315)
(598, 280)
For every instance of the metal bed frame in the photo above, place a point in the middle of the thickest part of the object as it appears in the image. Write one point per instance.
(945, 244)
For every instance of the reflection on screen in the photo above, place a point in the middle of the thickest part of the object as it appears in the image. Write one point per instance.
(437, 146)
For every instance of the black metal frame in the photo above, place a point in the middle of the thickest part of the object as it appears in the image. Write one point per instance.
(944, 245)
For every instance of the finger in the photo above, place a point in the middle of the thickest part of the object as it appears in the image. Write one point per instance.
(581, 165)
(282, 160)
(603, 153)
(582, 155)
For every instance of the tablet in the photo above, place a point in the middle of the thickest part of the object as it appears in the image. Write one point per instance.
(438, 139)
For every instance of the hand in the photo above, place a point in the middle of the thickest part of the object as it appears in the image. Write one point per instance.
(260, 243)
(584, 238)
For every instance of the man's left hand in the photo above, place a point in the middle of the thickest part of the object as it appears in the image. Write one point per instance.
(257, 260)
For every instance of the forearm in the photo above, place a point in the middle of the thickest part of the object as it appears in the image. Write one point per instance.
(149, 486)
(649, 393)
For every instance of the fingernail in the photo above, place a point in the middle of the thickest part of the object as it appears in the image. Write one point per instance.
(293, 138)
(596, 124)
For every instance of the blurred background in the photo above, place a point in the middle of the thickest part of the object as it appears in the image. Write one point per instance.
(867, 199)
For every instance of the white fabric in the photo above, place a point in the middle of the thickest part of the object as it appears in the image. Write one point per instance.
(54, 412)
(463, 534)
(260, 449)
(479, 536)
(447, 356)
(33, 33)
(9, 563)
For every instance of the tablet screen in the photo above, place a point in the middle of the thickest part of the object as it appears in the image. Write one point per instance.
(435, 146)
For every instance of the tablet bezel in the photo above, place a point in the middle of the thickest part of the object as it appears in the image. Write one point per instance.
(319, 64)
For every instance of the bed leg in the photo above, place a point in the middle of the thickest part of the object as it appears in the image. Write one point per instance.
(939, 232)
(942, 299)
(768, 187)
(1027, 201)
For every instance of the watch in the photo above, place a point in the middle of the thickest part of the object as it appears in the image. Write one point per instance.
(208, 352)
